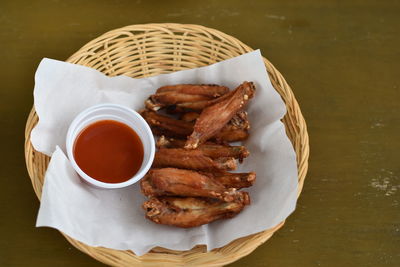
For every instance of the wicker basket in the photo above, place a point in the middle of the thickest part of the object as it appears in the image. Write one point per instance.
(146, 50)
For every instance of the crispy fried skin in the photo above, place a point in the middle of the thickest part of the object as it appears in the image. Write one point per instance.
(164, 125)
(200, 105)
(213, 118)
(162, 131)
(231, 135)
(238, 121)
(150, 105)
(190, 116)
(211, 90)
(197, 106)
(170, 126)
(226, 135)
(172, 98)
(191, 159)
(209, 149)
(164, 142)
(184, 93)
(226, 163)
(236, 180)
(148, 189)
(185, 183)
(191, 212)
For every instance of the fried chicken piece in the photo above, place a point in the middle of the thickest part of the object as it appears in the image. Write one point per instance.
(213, 118)
(191, 212)
(164, 125)
(185, 183)
(191, 159)
(189, 105)
(184, 93)
(208, 149)
(236, 180)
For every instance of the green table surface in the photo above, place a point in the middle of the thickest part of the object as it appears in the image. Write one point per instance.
(342, 60)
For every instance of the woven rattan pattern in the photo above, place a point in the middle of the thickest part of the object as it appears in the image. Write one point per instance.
(151, 49)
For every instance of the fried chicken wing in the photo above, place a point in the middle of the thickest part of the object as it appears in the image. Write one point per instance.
(184, 93)
(200, 105)
(213, 118)
(191, 212)
(208, 149)
(191, 159)
(185, 183)
(226, 134)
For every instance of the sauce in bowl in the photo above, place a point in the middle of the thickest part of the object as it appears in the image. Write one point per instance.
(108, 151)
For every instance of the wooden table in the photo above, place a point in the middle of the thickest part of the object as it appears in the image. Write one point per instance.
(341, 59)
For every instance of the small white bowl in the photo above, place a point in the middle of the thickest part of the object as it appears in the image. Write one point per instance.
(117, 113)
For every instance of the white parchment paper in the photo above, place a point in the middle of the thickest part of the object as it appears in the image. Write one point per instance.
(114, 218)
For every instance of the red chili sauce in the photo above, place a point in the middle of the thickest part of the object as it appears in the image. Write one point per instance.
(109, 151)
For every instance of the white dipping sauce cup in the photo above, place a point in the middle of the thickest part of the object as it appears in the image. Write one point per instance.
(121, 114)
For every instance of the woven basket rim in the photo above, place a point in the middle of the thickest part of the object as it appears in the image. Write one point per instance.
(36, 162)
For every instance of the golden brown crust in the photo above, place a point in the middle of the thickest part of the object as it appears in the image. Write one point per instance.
(184, 93)
(209, 149)
(236, 180)
(191, 159)
(211, 90)
(185, 183)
